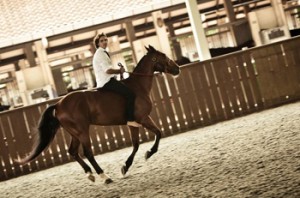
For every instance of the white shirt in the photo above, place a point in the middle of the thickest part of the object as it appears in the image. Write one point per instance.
(101, 63)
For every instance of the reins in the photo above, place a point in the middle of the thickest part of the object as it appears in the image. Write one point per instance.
(139, 74)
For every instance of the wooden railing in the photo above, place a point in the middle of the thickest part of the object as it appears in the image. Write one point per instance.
(205, 93)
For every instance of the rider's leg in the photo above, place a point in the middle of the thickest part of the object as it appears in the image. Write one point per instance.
(119, 87)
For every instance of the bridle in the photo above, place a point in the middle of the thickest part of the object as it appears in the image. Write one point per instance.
(154, 59)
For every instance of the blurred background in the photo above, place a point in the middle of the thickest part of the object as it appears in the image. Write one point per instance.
(46, 47)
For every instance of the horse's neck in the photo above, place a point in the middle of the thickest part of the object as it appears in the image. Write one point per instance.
(142, 76)
(143, 66)
(143, 83)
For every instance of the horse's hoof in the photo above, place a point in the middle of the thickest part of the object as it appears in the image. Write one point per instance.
(91, 177)
(108, 181)
(147, 155)
(124, 170)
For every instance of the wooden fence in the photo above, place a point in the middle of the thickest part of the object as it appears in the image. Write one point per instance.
(205, 93)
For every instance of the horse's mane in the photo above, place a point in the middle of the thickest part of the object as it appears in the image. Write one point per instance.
(140, 62)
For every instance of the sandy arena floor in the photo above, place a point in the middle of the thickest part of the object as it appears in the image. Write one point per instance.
(253, 156)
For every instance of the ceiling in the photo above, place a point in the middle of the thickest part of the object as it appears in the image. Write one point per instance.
(65, 45)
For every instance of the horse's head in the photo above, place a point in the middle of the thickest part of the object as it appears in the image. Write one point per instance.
(161, 62)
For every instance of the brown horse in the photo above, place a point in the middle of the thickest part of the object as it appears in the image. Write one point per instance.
(78, 110)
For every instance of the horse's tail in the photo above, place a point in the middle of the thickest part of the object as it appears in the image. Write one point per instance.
(46, 131)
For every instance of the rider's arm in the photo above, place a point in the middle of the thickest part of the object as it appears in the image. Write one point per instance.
(115, 71)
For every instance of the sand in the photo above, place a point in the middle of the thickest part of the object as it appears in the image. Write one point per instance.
(252, 156)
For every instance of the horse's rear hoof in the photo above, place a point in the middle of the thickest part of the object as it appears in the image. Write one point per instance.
(108, 181)
(124, 170)
(91, 177)
(147, 155)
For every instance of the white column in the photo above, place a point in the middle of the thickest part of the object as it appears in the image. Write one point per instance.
(114, 46)
(130, 33)
(281, 19)
(280, 16)
(255, 28)
(162, 34)
(198, 31)
(231, 16)
(43, 62)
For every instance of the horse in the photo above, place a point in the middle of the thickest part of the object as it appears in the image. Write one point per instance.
(76, 111)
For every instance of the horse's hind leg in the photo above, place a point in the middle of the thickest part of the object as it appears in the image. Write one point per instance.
(134, 132)
(88, 153)
(149, 124)
(73, 150)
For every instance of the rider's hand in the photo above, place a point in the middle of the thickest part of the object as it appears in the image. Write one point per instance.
(122, 70)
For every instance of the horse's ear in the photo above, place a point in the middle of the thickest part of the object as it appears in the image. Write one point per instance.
(152, 48)
(147, 49)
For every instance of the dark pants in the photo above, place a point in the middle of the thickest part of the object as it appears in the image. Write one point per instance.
(120, 88)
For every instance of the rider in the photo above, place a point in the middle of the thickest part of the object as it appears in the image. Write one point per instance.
(106, 74)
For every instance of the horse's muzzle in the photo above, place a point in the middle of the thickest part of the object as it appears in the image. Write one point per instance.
(175, 71)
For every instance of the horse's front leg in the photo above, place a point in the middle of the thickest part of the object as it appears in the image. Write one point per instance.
(134, 132)
(149, 124)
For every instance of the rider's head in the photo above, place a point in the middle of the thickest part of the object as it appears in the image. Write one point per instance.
(101, 41)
